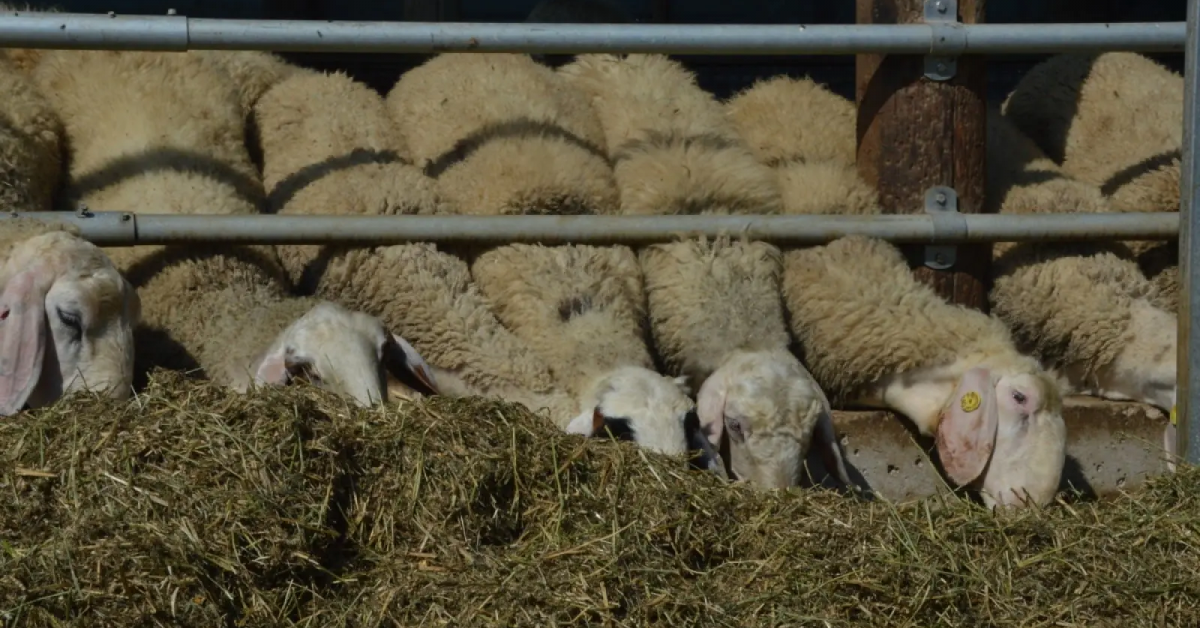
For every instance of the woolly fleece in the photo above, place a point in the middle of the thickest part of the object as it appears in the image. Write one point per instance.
(672, 149)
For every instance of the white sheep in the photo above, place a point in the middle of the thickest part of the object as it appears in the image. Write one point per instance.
(455, 105)
(1084, 309)
(675, 152)
(582, 309)
(875, 336)
(717, 318)
(163, 133)
(1112, 120)
(66, 317)
(328, 142)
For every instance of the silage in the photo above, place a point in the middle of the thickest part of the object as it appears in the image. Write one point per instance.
(290, 508)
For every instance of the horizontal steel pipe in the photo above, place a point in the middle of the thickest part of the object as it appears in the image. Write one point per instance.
(120, 229)
(83, 31)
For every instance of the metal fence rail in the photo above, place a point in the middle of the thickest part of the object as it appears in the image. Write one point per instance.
(173, 32)
(121, 228)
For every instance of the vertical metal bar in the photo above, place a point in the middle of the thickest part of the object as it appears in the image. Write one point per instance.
(1187, 444)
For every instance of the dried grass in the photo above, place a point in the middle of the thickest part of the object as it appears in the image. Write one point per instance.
(195, 507)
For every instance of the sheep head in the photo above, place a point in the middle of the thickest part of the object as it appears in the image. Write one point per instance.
(348, 353)
(59, 285)
(1003, 434)
(764, 407)
(638, 404)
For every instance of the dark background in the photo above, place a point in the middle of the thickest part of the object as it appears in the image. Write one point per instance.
(718, 74)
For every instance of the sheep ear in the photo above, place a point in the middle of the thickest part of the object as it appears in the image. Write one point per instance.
(22, 336)
(710, 408)
(966, 434)
(402, 361)
(831, 451)
(587, 423)
(273, 367)
(708, 459)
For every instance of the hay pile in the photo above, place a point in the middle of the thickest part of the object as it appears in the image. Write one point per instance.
(190, 506)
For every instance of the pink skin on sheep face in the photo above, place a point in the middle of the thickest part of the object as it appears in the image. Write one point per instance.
(1003, 436)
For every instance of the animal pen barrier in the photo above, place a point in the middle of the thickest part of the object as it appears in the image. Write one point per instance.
(944, 51)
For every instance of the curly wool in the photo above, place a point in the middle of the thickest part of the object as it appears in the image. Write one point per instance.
(163, 132)
(1068, 303)
(1112, 120)
(859, 314)
(710, 298)
(504, 135)
(329, 142)
(806, 134)
(581, 308)
(30, 144)
(673, 151)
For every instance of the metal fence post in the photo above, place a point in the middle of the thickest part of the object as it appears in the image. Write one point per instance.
(1187, 445)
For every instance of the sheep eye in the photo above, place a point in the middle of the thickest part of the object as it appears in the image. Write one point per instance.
(735, 427)
(1019, 397)
(71, 319)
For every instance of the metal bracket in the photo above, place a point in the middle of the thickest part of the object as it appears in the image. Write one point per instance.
(941, 202)
(938, 13)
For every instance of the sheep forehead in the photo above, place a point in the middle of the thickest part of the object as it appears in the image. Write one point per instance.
(636, 392)
(775, 393)
(654, 409)
(327, 324)
(63, 250)
(77, 263)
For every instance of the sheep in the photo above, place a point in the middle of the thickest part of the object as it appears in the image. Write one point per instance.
(328, 142)
(503, 135)
(673, 151)
(806, 134)
(30, 144)
(874, 336)
(582, 309)
(1084, 309)
(61, 288)
(1069, 105)
(430, 296)
(717, 319)
(655, 407)
(164, 132)
(328, 145)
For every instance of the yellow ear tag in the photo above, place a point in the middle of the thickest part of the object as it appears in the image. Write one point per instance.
(1174, 417)
(970, 402)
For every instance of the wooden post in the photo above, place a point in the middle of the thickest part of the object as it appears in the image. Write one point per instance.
(915, 133)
